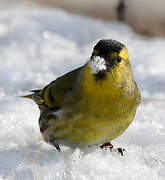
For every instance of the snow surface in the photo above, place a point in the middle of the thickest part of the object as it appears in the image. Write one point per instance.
(38, 45)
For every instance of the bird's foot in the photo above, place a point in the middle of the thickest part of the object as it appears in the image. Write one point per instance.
(121, 151)
(107, 145)
(110, 146)
(52, 141)
(57, 147)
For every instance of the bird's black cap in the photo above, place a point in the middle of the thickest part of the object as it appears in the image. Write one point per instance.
(108, 45)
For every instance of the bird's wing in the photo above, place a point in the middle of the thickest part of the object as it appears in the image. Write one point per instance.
(53, 95)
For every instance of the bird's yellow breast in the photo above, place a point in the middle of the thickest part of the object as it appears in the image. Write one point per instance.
(100, 112)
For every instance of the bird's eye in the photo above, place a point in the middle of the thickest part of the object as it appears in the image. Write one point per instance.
(118, 59)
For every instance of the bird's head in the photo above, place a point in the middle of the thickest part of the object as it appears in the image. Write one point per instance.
(108, 56)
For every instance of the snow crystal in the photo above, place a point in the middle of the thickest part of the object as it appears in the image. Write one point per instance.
(97, 64)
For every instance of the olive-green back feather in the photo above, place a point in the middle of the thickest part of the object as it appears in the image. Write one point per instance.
(53, 95)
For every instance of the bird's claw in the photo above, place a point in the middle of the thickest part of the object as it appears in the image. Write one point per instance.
(110, 146)
(107, 145)
(121, 151)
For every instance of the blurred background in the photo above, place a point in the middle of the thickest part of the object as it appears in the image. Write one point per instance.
(144, 17)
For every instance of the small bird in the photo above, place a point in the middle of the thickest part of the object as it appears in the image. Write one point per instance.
(93, 104)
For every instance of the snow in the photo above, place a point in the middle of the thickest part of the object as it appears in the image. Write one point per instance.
(97, 64)
(37, 45)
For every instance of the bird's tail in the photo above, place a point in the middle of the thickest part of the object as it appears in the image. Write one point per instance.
(36, 97)
(30, 96)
